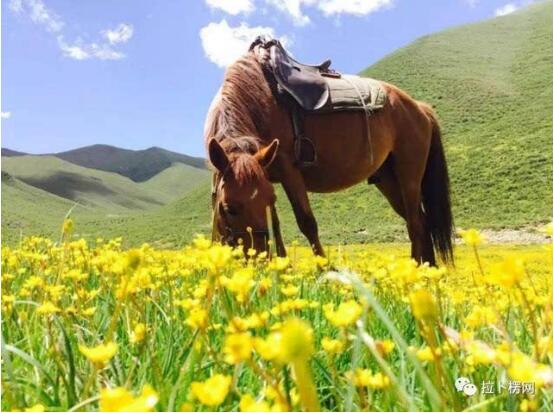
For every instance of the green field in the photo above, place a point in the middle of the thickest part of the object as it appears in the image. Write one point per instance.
(491, 84)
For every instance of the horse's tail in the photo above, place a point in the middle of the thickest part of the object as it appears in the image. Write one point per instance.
(436, 194)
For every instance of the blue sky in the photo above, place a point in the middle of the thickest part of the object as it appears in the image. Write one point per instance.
(141, 73)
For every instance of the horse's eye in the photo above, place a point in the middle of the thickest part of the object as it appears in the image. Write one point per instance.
(230, 210)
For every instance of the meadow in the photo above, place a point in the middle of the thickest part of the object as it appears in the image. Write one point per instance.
(95, 326)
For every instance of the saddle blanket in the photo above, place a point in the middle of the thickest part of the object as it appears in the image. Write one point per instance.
(347, 92)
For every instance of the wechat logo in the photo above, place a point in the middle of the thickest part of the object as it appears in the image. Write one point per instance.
(464, 385)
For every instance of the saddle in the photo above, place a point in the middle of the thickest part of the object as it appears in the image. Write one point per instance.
(304, 82)
(304, 88)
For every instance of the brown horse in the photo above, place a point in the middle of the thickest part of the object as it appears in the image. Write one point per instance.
(249, 138)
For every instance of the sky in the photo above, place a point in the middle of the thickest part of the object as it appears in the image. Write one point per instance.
(142, 73)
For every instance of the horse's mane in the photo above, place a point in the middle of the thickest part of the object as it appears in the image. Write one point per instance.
(240, 117)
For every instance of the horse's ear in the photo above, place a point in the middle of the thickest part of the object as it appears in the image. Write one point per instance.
(218, 157)
(267, 155)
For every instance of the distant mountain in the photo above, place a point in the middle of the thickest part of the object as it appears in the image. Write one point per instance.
(139, 165)
(10, 152)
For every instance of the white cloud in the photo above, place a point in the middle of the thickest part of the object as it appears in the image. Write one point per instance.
(355, 7)
(224, 44)
(232, 7)
(84, 51)
(506, 9)
(38, 13)
(121, 34)
(41, 15)
(5, 115)
(294, 9)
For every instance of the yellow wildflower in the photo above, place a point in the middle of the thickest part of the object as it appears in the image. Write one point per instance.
(472, 237)
(296, 341)
(332, 346)
(424, 306)
(120, 399)
(213, 391)
(346, 314)
(198, 318)
(249, 404)
(35, 408)
(508, 273)
(100, 354)
(48, 308)
(138, 334)
(237, 347)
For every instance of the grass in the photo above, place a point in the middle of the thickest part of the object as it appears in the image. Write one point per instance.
(79, 319)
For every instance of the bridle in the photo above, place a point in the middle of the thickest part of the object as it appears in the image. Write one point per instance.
(229, 233)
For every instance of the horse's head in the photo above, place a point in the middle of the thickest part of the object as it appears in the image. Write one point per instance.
(242, 195)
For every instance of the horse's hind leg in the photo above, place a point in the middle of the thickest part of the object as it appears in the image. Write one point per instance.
(410, 176)
(390, 188)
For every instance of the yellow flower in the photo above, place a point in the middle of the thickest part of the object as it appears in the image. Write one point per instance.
(366, 378)
(213, 391)
(508, 273)
(384, 347)
(138, 334)
(424, 306)
(35, 408)
(332, 346)
(472, 237)
(237, 347)
(346, 314)
(248, 404)
(269, 347)
(481, 316)
(100, 354)
(67, 227)
(426, 354)
(290, 290)
(240, 283)
(120, 399)
(296, 341)
(198, 318)
(48, 308)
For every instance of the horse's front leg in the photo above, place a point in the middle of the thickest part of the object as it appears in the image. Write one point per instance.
(279, 244)
(295, 188)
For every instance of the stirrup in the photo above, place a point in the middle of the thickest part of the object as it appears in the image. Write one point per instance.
(304, 151)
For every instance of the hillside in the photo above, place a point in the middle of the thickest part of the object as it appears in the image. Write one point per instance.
(95, 188)
(138, 165)
(11, 152)
(29, 210)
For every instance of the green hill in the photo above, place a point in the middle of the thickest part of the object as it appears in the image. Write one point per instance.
(28, 210)
(491, 84)
(138, 165)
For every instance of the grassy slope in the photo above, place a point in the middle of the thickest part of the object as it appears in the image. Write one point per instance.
(177, 180)
(89, 187)
(108, 202)
(29, 210)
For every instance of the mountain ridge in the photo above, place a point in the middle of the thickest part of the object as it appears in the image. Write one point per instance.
(138, 165)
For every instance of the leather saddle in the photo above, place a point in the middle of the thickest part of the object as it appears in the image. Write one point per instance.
(305, 83)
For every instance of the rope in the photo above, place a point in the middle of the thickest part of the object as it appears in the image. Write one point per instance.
(367, 112)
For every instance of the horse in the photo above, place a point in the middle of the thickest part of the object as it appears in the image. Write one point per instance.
(249, 138)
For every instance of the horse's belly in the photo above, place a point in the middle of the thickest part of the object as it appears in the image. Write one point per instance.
(344, 156)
